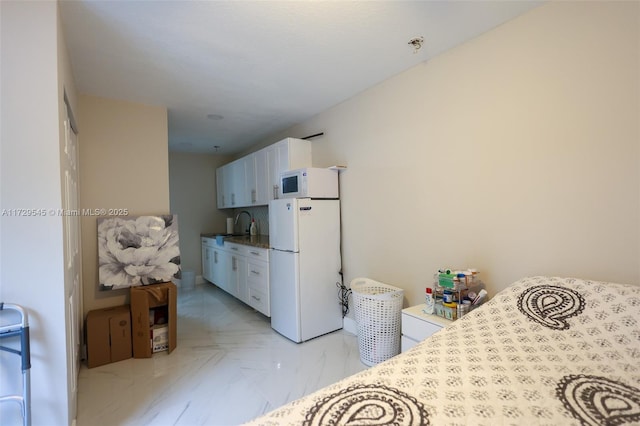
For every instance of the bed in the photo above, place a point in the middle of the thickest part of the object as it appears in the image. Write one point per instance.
(544, 351)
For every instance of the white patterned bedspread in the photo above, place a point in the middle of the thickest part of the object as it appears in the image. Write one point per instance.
(545, 351)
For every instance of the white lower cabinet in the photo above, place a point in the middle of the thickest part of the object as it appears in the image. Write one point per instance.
(207, 258)
(219, 268)
(417, 326)
(240, 270)
(236, 271)
(258, 284)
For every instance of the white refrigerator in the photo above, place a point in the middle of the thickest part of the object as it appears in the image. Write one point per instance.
(304, 267)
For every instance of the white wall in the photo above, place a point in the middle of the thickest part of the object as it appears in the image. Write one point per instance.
(192, 189)
(124, 164)
(516, 153)
(32, 272)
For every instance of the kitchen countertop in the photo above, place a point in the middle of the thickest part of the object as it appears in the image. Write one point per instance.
(261, 241)
(211, 234)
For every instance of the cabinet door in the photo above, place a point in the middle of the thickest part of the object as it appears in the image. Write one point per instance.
(237, 276)
(227, 179)
(251, 186)
(234, 181)
(262, 177)
(277, 155)
(220, 199)
(218, 260)
(235, 265)
(288, 154)
(206, 262)
(299, 154)
(238, 179)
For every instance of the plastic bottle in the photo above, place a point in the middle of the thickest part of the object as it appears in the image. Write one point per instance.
(429, 301)
(447, 296)
(253, 229)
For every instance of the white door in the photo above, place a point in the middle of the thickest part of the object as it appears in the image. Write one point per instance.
(70, 215)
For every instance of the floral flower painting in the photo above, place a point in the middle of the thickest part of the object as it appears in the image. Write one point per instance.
(135, 251)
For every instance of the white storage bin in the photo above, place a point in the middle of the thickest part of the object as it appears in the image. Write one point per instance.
(378, 310)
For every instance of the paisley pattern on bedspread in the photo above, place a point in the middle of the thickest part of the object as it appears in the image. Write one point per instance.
(599, 400)
(367, 405)
(544, 351)
(551, 306)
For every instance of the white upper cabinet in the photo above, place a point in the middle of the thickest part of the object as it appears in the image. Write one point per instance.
(239, 184)
(253, 180)
(220, 196)
(277, 156)
(262, 177)
(233, 181)
(288, 154)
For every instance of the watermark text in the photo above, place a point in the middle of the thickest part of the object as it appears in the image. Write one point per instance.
(64, 212)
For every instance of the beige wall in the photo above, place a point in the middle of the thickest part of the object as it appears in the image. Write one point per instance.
(516, 153)
(124, 163)
(192, 188)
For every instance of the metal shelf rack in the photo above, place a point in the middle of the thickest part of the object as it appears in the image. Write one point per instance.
(19, 329)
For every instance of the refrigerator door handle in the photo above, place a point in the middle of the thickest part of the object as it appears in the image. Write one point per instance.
(284, 251)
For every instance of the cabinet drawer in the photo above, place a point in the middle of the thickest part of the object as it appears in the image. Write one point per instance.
(259, 301)
(257, 253)
(406, 343)
(234, 248)
(257, 271)
(418, 329)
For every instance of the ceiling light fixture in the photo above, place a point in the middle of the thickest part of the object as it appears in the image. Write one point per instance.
(214, 117)
(216, 147)
(416, 42)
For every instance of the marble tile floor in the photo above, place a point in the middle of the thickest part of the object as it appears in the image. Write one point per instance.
(228, 368)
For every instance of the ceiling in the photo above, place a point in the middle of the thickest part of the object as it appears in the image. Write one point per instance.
(262, 66)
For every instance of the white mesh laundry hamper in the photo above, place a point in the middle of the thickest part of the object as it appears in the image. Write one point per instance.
(377, 309)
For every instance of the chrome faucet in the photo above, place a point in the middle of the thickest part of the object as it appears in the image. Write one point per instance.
(250, 219)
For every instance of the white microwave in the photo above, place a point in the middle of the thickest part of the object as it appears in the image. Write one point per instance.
(309, 182)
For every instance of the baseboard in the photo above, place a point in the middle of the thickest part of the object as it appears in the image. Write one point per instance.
(198, 281)
(349, 325)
